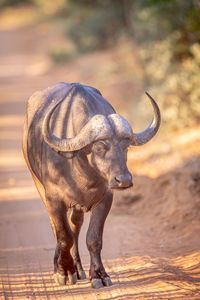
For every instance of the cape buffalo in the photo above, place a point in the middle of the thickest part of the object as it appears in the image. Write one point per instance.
(75, 146)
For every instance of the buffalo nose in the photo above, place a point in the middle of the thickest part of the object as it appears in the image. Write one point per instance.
(124, 180)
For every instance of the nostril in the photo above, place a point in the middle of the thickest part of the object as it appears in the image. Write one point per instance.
(117, 178)
(124, 180)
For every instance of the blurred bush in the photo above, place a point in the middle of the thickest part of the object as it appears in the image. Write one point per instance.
(61, 55)
(4, 3)
(97, 24)
(161, 18)
(171, 57)
(163, 35)
(176, 84)
(168, 35)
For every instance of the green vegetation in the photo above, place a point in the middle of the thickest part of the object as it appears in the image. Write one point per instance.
(173, 17)
(165, 32)
(4, 3)
(98, 24)
(61, 55)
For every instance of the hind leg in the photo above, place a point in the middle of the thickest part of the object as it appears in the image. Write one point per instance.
(64, 268)
(75, 222)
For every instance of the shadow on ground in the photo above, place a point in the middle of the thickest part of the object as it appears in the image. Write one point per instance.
(133, 278)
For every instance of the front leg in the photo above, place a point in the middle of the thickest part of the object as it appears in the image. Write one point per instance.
(98, 275)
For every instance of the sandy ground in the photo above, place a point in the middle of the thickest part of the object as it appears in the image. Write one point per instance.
(151, 238)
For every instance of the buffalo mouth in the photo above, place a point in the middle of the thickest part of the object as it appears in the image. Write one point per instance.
(117, 187)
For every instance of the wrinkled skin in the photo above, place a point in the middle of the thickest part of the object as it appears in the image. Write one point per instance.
(71, 183)
(109, 158)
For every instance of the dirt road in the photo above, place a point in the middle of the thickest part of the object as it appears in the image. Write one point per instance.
(141, 261)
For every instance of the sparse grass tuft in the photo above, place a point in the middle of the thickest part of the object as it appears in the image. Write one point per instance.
(61, 55)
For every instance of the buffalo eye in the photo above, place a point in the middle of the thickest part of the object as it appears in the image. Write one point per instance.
(125, 143)
(100, 147)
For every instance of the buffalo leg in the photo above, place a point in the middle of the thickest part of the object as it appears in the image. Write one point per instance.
(98, 275)
(63, 262)
(75, 222)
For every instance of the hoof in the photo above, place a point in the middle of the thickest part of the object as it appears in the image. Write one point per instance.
(72, 278)
(96, 283)
(107, 281)
(59, 279)
(81, 274)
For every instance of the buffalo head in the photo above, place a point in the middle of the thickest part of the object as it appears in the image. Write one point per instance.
(107, 138)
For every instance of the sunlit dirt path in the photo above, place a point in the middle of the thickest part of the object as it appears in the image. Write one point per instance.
(139, 268)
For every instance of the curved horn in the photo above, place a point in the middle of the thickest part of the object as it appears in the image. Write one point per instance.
(146, 135)
(97, 128)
